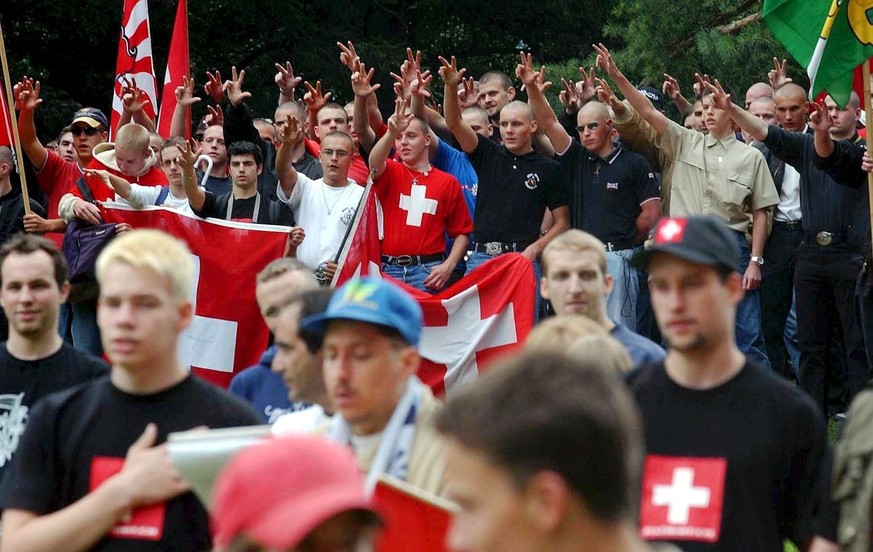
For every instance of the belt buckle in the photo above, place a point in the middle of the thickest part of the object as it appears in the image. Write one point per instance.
(824, 238)
(404, 260)
(494, 248)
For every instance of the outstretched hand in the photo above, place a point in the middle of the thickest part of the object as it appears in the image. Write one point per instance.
(819, 120)
(291, 132)
(449, 72)
(26, 94)
(608, 97)
(348, 56)
(399, 120)
(314, 99)
(235, 94)
(604, 60)
(671, 88)
(361, 81)
(720, 98)
(214, 88)
(778, 76)
(185, 93)
(286, 80)
(467, 95)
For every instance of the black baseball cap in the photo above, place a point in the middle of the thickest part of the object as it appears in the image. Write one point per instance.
(702, 240)
(655, 96)
(92, 117)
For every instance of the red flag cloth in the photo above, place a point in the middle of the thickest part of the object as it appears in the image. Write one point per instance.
(134, 59)
(413, 520)
(228, 333)
(178, 66)
(485, 315)
(5, 125)
(361, 254)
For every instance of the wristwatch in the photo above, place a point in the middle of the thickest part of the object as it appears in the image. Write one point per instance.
(758, 260)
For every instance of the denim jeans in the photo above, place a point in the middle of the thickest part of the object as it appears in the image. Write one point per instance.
(86, 334)
(621, 304)
(749, 335)
(477, 258)
(412, 275)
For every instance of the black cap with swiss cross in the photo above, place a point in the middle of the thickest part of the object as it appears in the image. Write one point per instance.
(703, 240)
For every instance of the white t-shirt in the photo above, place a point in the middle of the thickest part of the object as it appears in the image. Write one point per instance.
(308, 420)
(324, 212)
(148, 195)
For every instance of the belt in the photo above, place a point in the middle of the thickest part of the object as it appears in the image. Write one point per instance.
(825, 238)
(409, 260)
(618, 246)
(499, 248)
(789, 224)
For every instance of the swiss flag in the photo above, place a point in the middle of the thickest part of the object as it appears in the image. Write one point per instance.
(178, 66)
(134, 59)
(414, 519)
(682, 498)
(228, 333)
(361, 253)
(143, 523)
(5, 125)
(483, 316)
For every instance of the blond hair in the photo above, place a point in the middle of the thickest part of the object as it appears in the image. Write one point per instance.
(602, 350)
(153, 250)
(577, 241)
(132, 137)
(558, 333)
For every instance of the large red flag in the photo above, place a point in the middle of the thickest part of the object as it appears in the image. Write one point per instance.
(361, 251)
(5, 125)
(178, 66)
(134, 58)
(228, 333)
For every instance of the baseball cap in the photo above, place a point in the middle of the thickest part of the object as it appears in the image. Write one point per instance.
(280, 491)
(91, 116)
(703, 240)
(202, 126)
(655, 96)
(374, 301)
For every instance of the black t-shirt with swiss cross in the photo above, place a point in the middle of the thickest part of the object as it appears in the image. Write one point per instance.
(606, 194)
(514, 192)
(735, 467)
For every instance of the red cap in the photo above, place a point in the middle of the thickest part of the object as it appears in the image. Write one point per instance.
(278, 492)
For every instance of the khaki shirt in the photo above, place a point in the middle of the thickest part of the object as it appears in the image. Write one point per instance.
(722, 177)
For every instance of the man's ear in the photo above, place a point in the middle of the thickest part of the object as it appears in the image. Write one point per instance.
(511, 93)
(546, 497)
(260, 168)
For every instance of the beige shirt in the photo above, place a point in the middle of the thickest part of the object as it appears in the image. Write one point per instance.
(722, 177)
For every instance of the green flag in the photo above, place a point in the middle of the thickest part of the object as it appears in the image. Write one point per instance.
(830, 38)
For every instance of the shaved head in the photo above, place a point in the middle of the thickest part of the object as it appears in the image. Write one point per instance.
(758, 90)
(596, 110)
(520, 108)
(790, 90)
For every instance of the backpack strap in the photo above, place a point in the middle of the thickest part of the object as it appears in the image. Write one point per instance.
(162, 197)
(84, 189)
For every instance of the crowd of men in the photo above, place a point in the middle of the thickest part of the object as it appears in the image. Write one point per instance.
(703, 287)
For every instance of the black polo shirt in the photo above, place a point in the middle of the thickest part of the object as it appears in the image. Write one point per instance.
(514, 192)
(606, 194)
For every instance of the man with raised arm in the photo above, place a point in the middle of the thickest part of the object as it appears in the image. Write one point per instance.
(716, 174)
(613, 192)
(421, 204)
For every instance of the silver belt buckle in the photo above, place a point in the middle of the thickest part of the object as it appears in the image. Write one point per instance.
(493, 248)
(824, 238)
(404, 260)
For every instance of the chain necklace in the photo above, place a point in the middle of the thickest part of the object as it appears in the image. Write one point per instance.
(415, 181)
(340, 196)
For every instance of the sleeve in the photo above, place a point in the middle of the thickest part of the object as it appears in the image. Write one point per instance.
(239, 126)
(65, 207)
(293, 202)
(764, 192)
(645, 183)
(208, 209)
(31, 479)
(459, 216)
(787, 146)
(639, 136)
(51, 174)
(570, 157)
(483, 150)
(843, 164)
(142, 195)
(673, 140)
(556, 193)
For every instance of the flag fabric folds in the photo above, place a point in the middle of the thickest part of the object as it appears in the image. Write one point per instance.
(227, 334)
(830, 38)
(178, 66)
(134, 59)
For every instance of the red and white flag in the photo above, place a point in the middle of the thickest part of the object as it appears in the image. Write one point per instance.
(485, 315)
(361, 254)
(228, 333)
(178, 66)
(134, 59)
(5, 124)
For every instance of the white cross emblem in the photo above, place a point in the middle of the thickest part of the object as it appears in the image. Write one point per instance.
(417, 204)
(670, 230)
(465, 334)
(680, 496)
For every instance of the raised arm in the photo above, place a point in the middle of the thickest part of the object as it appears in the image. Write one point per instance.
(196, 195)
(640, 103)
(180, 125)
(364, 92)
(671, 89)
(821, 123)
(27, 97)
(543, 112)
(756, 127)
(420, 90)
(397, 123)
(291, 136)
(464, 133)
(133, 100)
(115, 183)
(287, 82)
(314, 101)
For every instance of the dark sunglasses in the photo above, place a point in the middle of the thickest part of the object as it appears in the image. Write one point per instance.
(86, 130)
(589, 126)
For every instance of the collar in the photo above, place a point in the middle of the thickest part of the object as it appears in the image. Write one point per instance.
(608, 159)
(709, 140)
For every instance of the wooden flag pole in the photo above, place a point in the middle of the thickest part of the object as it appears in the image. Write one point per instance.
(13, 120)
(869, 120)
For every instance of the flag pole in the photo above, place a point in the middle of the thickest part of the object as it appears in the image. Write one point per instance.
(869, 120)
(16, 139)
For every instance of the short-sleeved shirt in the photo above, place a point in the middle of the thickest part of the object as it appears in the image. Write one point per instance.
(419, 210)
(722, 177)
(457, 164)
(324, 212)
(358, 171)
(55, 179)
(607, 194)
(216, 184)
(243, 210)
(514, 192)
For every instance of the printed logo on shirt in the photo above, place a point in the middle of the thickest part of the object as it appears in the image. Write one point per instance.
(347, 215)
(146, 523)
(612, 185)
(533, 180)
(13, 418)
(670, 230)
(682, 498)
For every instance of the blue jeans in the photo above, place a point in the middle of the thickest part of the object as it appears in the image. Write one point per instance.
(621, 304)
(749, 335)
(477, 258)
(86, 334)
(790, 337)
(412, 275)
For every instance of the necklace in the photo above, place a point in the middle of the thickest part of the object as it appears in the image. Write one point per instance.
(339, 197)
(420, 173)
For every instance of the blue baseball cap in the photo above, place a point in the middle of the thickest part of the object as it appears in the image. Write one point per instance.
(92, 117)
(374, 301)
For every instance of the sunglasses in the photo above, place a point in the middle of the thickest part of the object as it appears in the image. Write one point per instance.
(589, 126)
(86, 130)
